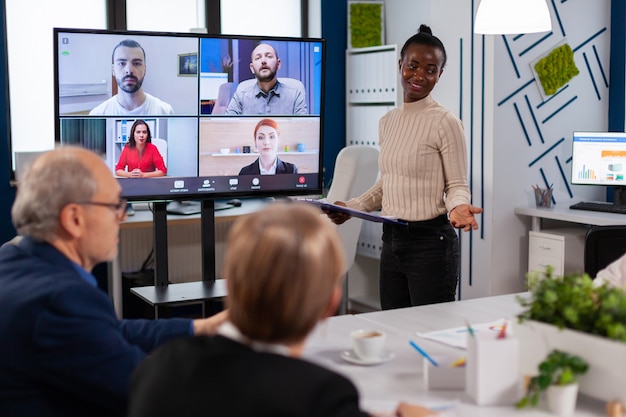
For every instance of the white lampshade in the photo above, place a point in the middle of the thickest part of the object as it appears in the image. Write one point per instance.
(501, 17)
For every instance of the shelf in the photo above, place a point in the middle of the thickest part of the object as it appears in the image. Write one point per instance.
(372, 102)
(372, 90)
(371, 49)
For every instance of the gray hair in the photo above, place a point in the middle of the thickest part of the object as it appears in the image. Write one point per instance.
(55, 179)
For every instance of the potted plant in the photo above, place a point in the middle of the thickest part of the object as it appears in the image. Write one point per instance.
(573, 302)
(558, 374)
(570, 314)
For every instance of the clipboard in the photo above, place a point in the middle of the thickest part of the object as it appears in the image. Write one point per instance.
(325, 205)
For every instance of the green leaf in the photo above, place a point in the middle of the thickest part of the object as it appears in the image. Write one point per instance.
(558, 368)
(573, 302)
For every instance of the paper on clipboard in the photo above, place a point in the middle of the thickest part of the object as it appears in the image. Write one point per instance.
(325, 205)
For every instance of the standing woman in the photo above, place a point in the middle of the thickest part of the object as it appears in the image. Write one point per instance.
(423, 181)
(140, 158)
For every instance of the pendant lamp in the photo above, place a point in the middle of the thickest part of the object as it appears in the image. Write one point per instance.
(501, 17)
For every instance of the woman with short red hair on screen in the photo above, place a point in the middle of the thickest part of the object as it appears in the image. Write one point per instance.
(266, 141)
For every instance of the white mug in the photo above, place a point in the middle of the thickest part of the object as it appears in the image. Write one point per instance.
(368, 344)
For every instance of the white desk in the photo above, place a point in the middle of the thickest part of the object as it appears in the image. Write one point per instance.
(402, 378)
(565, 214)
(143, 218)
(563, 245)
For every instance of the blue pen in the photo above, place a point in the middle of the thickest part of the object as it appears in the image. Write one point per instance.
(423, 353)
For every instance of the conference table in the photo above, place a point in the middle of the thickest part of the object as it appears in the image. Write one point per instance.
(401, 378)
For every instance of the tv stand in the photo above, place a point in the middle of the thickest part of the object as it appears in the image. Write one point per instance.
(163, 293)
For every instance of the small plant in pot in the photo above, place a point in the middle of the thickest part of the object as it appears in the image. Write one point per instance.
(559, 371)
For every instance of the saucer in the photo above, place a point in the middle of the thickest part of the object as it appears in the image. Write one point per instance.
(350, 356)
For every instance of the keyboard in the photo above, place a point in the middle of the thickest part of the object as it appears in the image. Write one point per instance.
(599, 206)
(184, 207)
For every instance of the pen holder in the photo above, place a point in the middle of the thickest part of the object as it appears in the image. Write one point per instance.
(543, 197)
(446, 376)
(492, 375)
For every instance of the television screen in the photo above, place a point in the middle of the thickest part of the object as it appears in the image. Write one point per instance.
(599, 158)
(190, 116)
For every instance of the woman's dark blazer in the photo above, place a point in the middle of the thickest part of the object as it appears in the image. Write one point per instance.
(281, 168)
(218, 377)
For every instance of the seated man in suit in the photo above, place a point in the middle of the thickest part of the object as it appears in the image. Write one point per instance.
(266, 141)
(63, 350)
(283, 269)
(268, 95)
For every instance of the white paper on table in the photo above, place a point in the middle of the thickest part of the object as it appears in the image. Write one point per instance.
(457, 336)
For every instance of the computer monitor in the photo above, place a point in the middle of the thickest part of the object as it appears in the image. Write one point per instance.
(599, 158)
(204, 144)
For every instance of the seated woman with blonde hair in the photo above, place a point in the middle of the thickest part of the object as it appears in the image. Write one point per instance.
(283, 270)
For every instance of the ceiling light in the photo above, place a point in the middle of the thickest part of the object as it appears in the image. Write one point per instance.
(501, 17)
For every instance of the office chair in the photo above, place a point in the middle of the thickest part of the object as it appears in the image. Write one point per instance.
(15, 241)
(224, 94)
(290, 82)
(161, 145)
(603, 245)
(356, 170)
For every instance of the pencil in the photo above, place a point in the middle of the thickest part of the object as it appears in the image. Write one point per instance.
(423, 353)
(502, 333)
(458, 363)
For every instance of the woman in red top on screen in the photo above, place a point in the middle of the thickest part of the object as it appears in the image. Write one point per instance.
(140, 158)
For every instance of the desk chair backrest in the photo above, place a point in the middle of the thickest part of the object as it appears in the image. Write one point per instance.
(15, 241)
(291, 82)
(224, 94)
(161, 145)
(356, 170)
(603, 245)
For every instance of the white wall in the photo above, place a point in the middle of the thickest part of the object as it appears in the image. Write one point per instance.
(544, 156)
(508, 124)
(315, 18)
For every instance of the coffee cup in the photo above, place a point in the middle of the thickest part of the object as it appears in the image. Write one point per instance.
(368, 344)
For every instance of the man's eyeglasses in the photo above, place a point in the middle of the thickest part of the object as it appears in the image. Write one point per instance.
(119, 208)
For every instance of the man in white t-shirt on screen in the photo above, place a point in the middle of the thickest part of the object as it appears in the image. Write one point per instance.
(129, 69)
